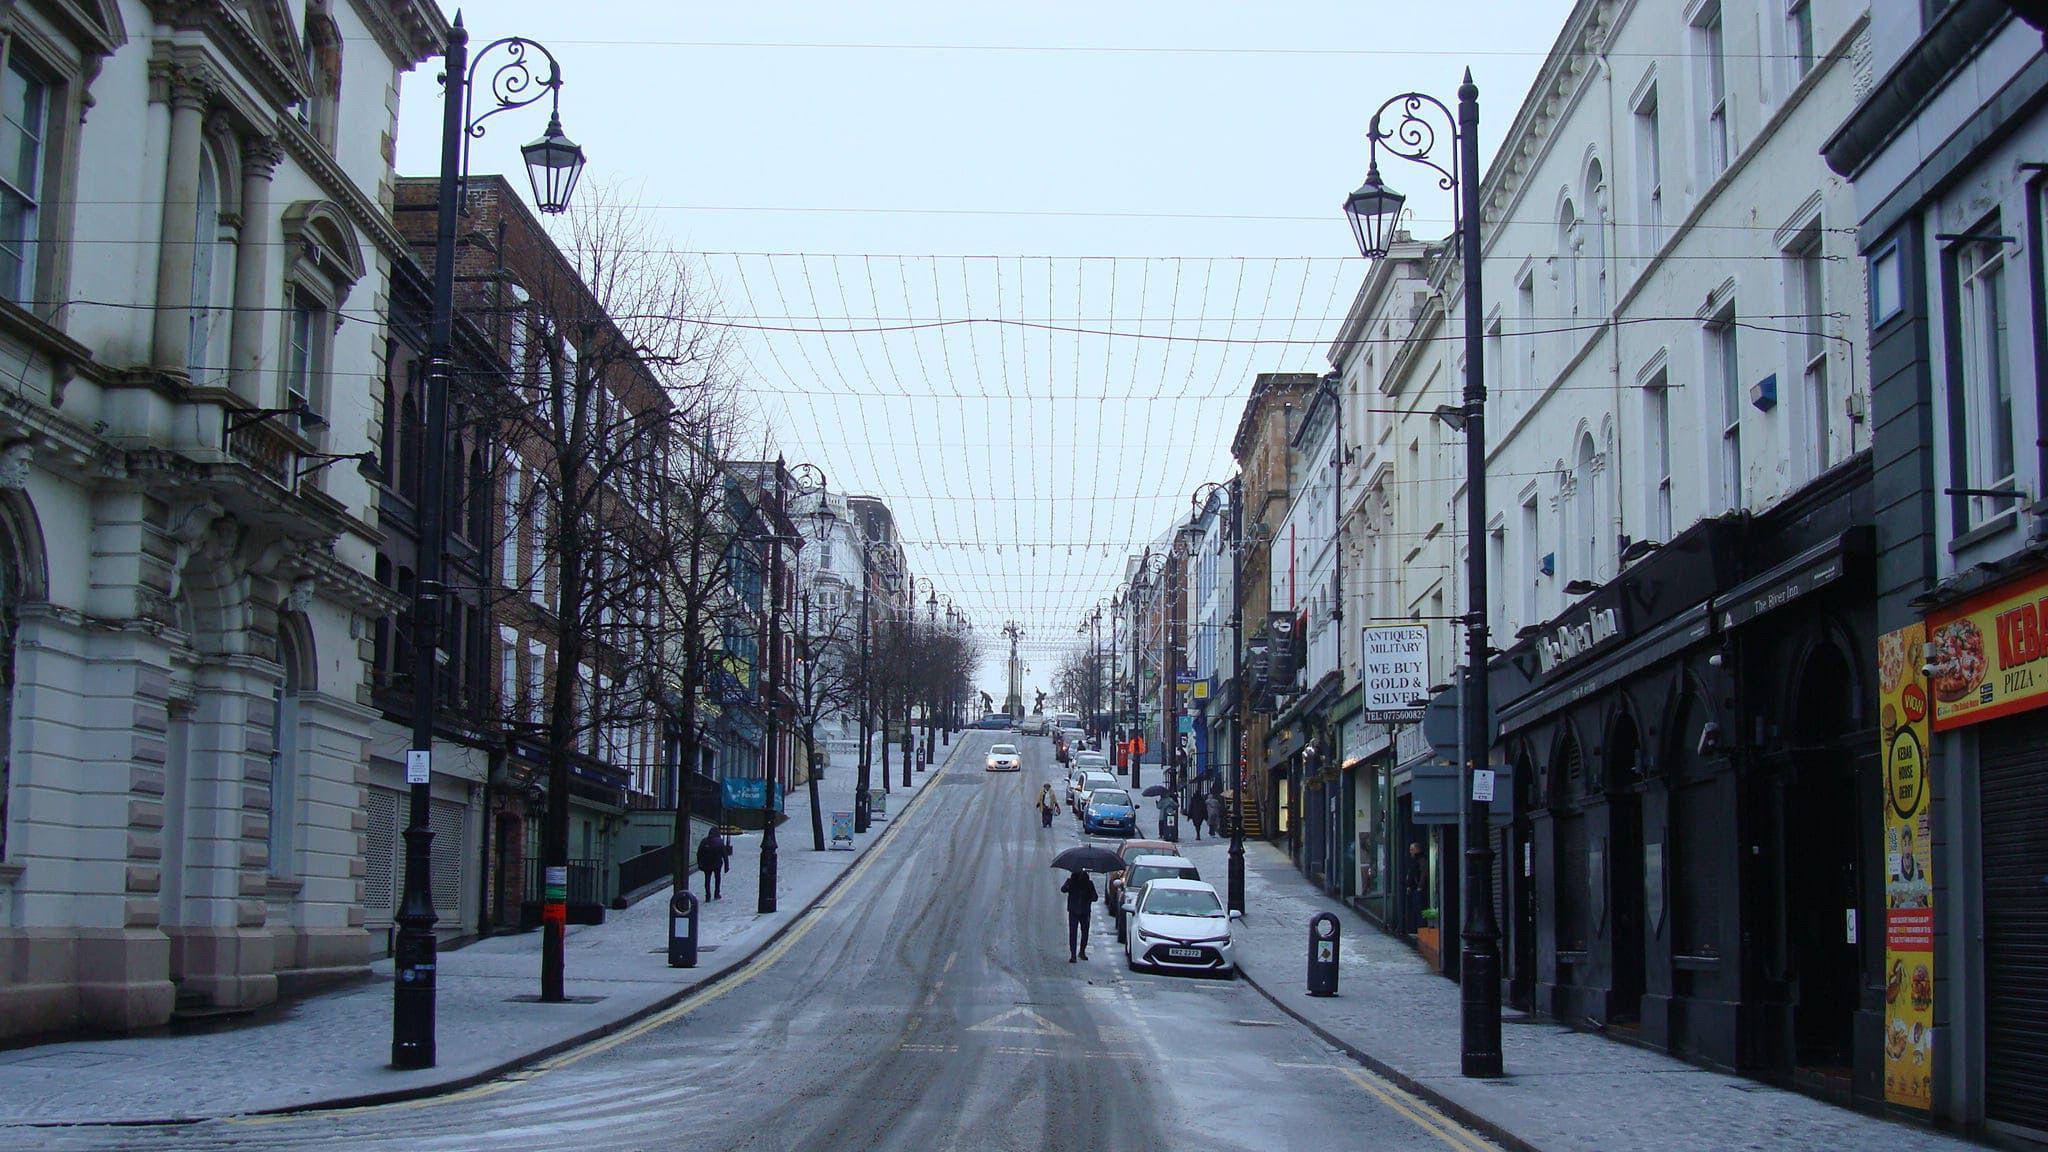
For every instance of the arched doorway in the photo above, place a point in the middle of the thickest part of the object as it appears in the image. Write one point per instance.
(1521, 867)
(1573, 896)
(1625, 871)
(1822, 854)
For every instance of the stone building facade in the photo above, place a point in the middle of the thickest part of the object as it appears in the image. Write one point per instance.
(194, 279)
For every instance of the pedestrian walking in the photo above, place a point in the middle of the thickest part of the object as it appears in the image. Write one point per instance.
(1048, 806)
(712, 853)
(1198, 811)
(1081, 897)
(1213, 807)
(1412, 886)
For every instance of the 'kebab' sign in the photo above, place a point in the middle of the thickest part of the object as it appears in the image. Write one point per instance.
(1990, 656)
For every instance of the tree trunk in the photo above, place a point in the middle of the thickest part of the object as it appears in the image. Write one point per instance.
(817, 816)
(686, 766)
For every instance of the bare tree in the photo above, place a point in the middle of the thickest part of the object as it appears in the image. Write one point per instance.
(618, 382)
(826, 680)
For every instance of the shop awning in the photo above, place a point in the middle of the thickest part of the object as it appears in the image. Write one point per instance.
(1660, 643)
(1815, 568)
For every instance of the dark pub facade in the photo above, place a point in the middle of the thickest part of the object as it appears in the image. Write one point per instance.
(1691, 861)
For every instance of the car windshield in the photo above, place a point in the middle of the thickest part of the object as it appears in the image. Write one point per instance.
(1003, 750)
(1183, 902)
(1144, 874)
(1110, 796)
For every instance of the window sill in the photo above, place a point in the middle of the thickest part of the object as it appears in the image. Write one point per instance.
(1996, 526)
(9, 873)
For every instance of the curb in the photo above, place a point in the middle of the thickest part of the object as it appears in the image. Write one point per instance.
(1435, 1097)
(597, 1032)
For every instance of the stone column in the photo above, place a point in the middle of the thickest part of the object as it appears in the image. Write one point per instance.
(170, 343)
(260, 156)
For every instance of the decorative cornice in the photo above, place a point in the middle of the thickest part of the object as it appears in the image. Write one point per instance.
(320, 165)
(410, 31)
(280, 80)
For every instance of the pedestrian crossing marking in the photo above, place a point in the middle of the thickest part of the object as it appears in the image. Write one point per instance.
(1033, 1024)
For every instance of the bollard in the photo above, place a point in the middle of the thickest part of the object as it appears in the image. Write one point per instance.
(682, 930)
(1323, 935)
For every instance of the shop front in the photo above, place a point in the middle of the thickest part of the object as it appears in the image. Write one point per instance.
(1425, 848)
(1688, 854)
(1986, 674)
(1366, 774)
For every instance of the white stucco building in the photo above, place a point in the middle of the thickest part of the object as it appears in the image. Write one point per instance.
(190, 298)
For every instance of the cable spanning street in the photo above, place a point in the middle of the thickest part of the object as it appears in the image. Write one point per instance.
(926, 1004)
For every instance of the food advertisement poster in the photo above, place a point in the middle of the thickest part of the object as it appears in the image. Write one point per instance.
(1990, 655)
(1904, 721)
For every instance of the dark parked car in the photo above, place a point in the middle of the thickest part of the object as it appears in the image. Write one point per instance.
(995, 721)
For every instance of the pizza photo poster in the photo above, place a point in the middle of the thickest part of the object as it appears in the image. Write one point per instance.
(1990, 655)
(1904, 719)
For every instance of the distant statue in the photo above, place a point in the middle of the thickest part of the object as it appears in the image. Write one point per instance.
(1040, 706)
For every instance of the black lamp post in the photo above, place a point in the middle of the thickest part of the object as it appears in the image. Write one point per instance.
(553, 163)
(865, 761)
(1147, 570)
(1374, 209)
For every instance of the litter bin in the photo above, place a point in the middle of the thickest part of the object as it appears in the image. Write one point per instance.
(1323, 936)
(682, 930)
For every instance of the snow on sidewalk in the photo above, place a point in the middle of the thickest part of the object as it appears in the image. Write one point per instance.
(335, 1046)
(1564, 1089)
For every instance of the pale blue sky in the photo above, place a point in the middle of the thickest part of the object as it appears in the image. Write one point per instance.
(885, 150)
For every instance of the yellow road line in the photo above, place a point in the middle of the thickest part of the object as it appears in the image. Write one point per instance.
(1422, 1115)
(690, 1003)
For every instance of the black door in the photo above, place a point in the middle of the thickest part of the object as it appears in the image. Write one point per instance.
(1625, 873)
(2013, 783)
(1821, 869)
(1821, 878)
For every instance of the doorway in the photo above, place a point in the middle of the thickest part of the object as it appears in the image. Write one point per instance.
(1822, 878)
(1625, 873)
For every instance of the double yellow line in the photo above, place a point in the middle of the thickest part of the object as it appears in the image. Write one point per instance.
(1422, 1115)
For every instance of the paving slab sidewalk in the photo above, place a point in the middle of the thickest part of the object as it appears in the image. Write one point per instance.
(1564, 1090)
(334, 1048)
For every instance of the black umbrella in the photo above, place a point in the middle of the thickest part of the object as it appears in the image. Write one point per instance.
(1088, 858)
(1157, 790)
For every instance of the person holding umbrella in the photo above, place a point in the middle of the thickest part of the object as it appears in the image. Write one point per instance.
(1081, 891)
(1081, 897)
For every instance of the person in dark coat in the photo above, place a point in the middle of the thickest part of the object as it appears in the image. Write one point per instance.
(1198, 811)
(712, 853)
(1081, 897)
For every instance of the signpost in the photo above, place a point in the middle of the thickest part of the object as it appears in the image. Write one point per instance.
(1396, 672)
(747, 792)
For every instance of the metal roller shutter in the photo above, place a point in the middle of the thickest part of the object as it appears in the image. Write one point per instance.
(380, 856)
(2013, 788)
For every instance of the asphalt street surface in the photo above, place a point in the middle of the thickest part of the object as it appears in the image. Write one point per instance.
(926, 1004)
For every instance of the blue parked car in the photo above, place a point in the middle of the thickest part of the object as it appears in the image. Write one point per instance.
(1110, 812)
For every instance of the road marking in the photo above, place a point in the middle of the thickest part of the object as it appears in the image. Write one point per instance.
(1423, 1115)
(798, 929)
(1037, 1026)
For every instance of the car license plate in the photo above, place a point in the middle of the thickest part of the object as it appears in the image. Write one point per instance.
(1185, 953)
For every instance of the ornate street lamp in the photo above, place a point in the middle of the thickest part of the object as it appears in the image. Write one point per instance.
(512, 84)
(1373, 210)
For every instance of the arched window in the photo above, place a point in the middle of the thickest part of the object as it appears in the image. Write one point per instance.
(479, 489)
(408, 469)
(206, 237)
(1569, 240)
(1585, 512)
(284, 756)
(323, 73)
(10, 601)
(1596, 235)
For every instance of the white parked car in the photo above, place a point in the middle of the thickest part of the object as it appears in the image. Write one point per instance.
(1084, 782)
(1035, 725)
(1180, 926)
(1092, 761)
(1003, 758)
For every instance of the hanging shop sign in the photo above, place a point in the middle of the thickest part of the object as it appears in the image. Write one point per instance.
(1395, 674)
(1903, 722)
(1990, 655)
